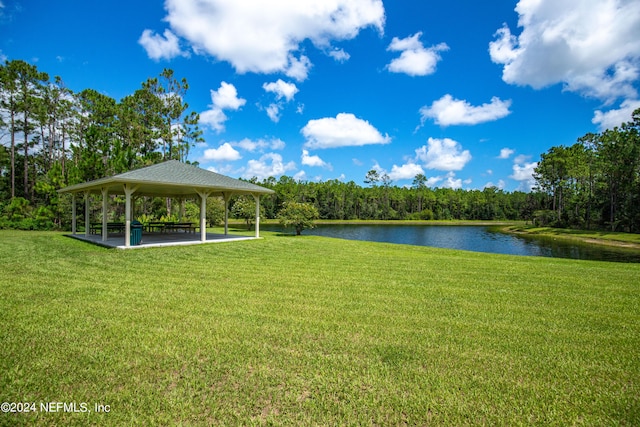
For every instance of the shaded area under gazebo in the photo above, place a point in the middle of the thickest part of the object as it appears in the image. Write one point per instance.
(157, 239)
(172, 179)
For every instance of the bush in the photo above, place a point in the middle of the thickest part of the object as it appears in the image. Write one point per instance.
(245, 208)
(298, 216)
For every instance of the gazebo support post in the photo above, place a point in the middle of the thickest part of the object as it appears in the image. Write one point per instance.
(180, 209)
(226, 197)
(87, 223)
(203, 215)
(257, 199)
(105, 208)
(73, 214)
(128, 191)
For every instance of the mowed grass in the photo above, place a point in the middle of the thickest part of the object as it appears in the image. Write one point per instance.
(315, 331)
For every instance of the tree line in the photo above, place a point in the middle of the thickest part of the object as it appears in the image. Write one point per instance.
(53, 137)
(340, 200)
(594, 183)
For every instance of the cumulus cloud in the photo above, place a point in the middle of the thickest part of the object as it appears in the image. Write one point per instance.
(284, 92)
(339, 55)
(298, 68)
(273, 111)
(500, 185)
(214, 118)
(612, 118)
(448, 111)
(259, 144)
(592, 47)
(313, 161)
(432, 181)
(270, 164)
(224, 153)
(452, 182)
(443, 154)
(161, 47)
(446, 181)
(406, 171)
(505, 153)
(281, 89)
(415, 59)
(523, 172)
(300, 176)
(263, 37)
(345, 130)
(225, 98)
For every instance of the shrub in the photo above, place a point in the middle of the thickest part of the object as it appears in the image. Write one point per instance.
(298, 216)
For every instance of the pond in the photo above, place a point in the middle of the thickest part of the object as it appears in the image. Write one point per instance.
(472, 238)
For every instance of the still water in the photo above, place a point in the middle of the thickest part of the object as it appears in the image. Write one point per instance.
(473, 238)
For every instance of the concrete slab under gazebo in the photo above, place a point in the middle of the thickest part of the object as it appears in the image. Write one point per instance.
(172, 179)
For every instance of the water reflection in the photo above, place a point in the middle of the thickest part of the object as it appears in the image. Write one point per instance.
(474, 238)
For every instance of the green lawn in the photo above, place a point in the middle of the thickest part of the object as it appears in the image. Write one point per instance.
(314, 331)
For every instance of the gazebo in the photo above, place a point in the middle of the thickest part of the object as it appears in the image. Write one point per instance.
(168, 179)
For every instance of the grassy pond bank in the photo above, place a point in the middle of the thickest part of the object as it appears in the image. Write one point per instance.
(314, 331)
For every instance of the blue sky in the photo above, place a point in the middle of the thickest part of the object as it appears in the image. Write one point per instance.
(468, 93)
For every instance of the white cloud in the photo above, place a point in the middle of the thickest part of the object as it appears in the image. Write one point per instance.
(300, 176)
(443, 154)
(523, 172)
(284, 92)
(259, 36)
(224, 153)
(314, 161)
(214, 118)
(591, 46)
(270, 164)
(406, 171)
(225, 98)
(500, 185)
(449, 111)
(259, 144)
(502, 50)
(273, 111)
(415, 59)
(505, 153)
(612, 118)
(433, 180)
(159, 47)
(452, 182)
(282, 89)
(298, 68)
(447, 181)
(345, 130)
(339, 55)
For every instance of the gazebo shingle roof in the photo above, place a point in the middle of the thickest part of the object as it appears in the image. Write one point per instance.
(169, 179)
